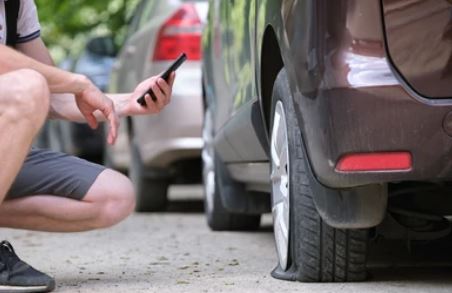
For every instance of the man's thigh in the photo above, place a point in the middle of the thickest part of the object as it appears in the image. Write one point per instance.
(46, 172)
(24, 102)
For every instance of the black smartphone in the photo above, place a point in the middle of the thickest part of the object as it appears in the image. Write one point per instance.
(165, 75)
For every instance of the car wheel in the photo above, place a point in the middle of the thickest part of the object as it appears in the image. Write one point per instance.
(309, 250)
(151, 193)
(107, 159)
(218, 218)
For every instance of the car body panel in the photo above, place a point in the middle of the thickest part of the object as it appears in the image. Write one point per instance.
(351, 101)
(235, 83)
(425, 27)
(255, 175)
(348, 96)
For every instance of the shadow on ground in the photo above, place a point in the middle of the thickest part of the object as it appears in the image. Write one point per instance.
(417, 262)
(390, 261)
(185, 206)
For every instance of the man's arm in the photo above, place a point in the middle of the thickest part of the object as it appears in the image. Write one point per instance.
(59, 81)
(37, 50)
(63, 106)
(88, 98)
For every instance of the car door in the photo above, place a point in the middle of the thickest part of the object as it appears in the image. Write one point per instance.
(217, 74)
(244, 123)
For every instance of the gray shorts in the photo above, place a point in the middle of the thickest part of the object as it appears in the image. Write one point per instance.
(46, 172)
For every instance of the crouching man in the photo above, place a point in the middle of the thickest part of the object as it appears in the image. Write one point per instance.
(44, 190)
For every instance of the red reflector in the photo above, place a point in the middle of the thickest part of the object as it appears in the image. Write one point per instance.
(389, 161)
(180, 33)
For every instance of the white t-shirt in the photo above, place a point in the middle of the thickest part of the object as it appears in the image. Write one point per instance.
(28, 27)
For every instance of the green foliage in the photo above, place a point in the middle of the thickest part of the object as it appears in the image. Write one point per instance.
(67, 23)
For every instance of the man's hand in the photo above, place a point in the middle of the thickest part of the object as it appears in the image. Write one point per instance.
(162, 91)
(89, 100)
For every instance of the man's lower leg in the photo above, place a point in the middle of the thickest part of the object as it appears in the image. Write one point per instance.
(109, 200)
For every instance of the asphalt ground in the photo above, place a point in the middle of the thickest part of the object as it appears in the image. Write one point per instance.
(175, 251)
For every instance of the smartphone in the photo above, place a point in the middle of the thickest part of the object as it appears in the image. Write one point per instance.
(165, 75)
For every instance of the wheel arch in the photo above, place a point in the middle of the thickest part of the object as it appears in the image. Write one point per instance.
(271, 65)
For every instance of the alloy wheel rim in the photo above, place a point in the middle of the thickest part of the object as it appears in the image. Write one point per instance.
(280, 184)
(208, 161)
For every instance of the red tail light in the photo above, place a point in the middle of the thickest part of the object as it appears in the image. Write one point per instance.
(390, 161)
(180, 33)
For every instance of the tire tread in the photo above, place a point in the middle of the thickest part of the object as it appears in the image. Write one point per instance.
(319, 252)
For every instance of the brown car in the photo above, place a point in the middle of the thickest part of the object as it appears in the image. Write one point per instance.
(341, 110)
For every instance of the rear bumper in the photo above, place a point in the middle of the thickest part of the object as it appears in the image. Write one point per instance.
(164, 152)
(172, 135)
(377, 119)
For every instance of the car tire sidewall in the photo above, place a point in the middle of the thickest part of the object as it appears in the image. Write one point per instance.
(280, 96)
(317, 251)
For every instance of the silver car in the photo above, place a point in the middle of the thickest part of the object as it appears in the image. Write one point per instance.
(164, 148)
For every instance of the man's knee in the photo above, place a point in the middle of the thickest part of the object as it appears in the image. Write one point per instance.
(33, 96)
(117, 201)
(25, 95)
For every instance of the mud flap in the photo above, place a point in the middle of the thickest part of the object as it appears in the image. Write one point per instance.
(353, 208)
